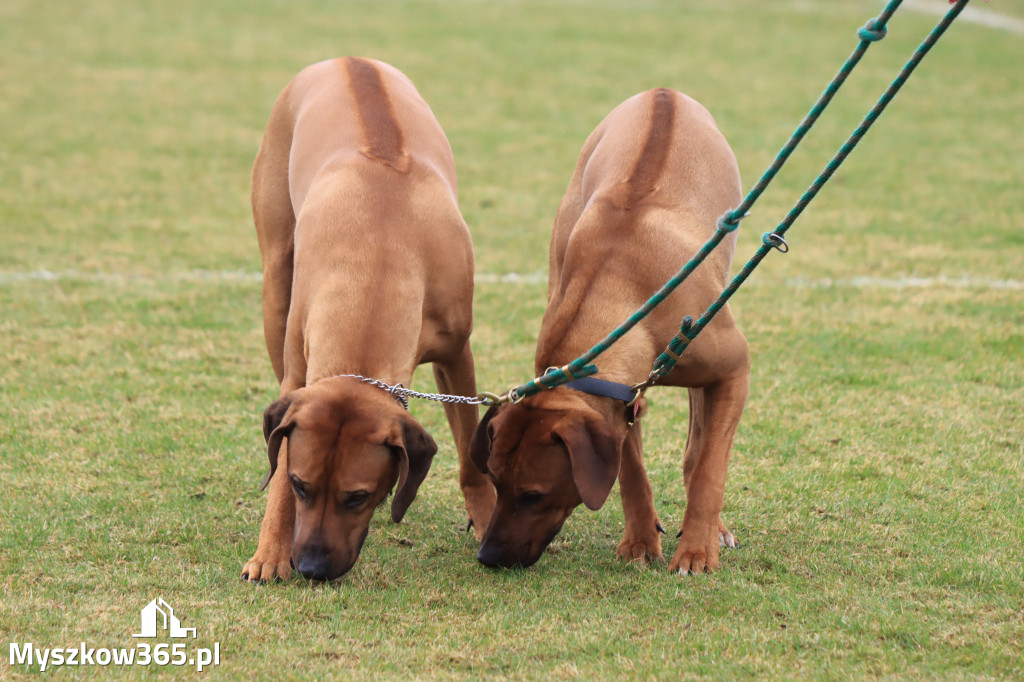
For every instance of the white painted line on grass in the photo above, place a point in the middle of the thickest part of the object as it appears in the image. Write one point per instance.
(187, 276)
(940, 282)
(511, 278)
(10, 277)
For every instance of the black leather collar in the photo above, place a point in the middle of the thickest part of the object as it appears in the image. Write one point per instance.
(609, 389)
(603, 388)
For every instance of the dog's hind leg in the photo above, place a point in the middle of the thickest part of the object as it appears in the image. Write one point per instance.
(275, 227)
(458, 377)
(641, 540)
(714, 416)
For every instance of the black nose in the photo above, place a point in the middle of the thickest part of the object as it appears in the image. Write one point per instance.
(314, 566)
(489, 555)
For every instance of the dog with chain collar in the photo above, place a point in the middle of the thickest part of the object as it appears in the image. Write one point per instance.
(368, 271)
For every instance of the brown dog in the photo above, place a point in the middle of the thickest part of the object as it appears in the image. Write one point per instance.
(649, 186)
(367, 270)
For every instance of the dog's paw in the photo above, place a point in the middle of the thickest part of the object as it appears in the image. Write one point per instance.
(726, 538)
(697, 553)
(646, 552)
(641, 541)
(260, 570)
(692, 563)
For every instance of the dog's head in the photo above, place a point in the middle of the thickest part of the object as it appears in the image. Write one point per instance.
(347, 446)
(545, 456)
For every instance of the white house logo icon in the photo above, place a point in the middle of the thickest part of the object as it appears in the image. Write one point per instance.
(159, 612)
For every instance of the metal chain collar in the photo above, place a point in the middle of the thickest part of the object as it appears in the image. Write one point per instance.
(402, 394)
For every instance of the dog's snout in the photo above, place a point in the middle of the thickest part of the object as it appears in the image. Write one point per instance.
(314, 565)
(489, 555)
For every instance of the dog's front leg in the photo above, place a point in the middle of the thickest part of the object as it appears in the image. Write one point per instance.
(641, 540)
(714, 416)
(458, 377)
(273, 554)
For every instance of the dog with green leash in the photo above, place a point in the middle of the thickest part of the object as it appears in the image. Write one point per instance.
(649, 187)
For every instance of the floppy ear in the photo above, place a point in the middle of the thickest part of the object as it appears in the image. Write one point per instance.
(595, 451)
(480, 445)
(275, 428)
(415, 450)
(273, 415)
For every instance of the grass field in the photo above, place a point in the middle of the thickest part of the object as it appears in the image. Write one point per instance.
(877, 481)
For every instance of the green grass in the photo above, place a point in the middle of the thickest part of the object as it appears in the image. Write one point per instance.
(877, 482)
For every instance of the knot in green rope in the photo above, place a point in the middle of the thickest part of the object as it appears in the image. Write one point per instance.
(872, 31)
(730, 221)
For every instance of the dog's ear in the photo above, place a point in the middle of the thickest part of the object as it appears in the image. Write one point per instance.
(273, 415)
(480, 445)
(415, 451)
(595, 451)
(275, 427)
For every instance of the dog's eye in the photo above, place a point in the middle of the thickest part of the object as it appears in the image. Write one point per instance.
(530, 498)
(299, 487)
(356, 499)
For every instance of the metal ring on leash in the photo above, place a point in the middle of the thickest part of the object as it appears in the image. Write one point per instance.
(776, 241)
(491, 399)
(399, 393)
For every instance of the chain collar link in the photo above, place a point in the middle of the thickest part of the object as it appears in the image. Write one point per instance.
(402, 394)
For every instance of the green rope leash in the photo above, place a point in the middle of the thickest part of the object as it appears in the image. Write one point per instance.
(874, 30)
(774, 239)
